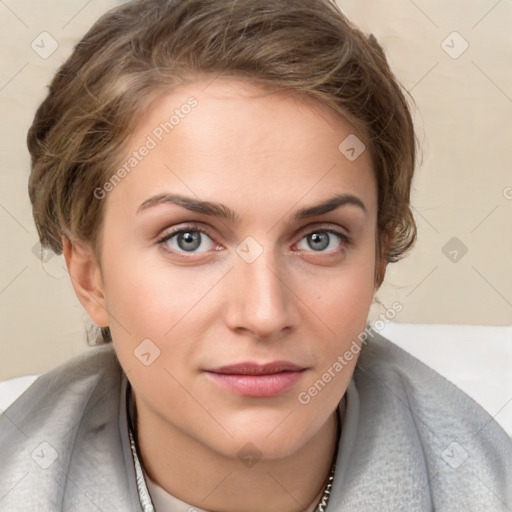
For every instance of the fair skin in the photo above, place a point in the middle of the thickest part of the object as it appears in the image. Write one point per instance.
(264, 156)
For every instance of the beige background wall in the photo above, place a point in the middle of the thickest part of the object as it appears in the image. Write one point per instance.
(463, 189)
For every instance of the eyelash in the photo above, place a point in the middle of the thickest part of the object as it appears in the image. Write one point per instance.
(346, 241)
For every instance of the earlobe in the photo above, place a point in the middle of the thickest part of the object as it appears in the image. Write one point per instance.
(381, 271)
(84, 272)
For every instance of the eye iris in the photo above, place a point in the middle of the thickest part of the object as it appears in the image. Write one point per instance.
(189, 241)
(318, 241)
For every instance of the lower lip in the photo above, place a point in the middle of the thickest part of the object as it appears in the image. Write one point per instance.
(257, 386)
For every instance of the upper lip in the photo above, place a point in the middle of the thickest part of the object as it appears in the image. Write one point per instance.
(250, 368)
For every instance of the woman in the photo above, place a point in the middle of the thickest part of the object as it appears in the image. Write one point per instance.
(227, 182)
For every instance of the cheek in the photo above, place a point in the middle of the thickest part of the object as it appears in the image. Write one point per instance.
(343, 296)
(149, 297)
(345, 312)
(339, 303)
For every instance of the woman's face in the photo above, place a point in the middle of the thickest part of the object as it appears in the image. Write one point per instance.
(258, 273)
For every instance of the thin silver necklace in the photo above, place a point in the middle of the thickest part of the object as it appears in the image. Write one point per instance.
(145, 498)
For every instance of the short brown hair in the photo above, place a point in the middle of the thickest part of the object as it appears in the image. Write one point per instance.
(139, 50)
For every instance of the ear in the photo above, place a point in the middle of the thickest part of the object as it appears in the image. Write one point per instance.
(380, 272)
(85, 274)
(381, 261)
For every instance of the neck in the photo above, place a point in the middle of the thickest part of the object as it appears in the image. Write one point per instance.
(203, 478)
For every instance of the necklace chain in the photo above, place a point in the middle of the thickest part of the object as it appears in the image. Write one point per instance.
(322, 506)
(324, 500)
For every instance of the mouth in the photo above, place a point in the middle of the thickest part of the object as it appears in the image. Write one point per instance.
(257, 380)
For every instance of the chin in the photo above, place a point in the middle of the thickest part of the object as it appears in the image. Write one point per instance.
(263, 442)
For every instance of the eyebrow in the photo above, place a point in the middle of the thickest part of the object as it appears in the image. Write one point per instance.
(223, 212)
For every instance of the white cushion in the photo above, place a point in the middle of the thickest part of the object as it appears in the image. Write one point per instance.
(477, 359)
(13, 388)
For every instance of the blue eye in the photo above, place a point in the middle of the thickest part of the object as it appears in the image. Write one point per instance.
(322, 239)
(187, 239)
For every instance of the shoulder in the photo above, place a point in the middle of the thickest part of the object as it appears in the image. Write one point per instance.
(387, 369)
(415, 420)
(43, 433)
(69, 386)
(82, 372)
(79, 372)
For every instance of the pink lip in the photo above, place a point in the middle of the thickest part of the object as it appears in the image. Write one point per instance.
(256, 380)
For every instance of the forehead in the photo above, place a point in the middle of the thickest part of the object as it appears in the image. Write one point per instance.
(233, 138)
(234, 110)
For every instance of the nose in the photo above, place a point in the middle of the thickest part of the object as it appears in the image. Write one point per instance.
(261, 300)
